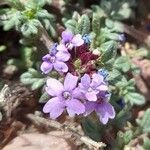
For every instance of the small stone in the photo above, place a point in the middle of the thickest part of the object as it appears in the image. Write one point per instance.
(56, 140)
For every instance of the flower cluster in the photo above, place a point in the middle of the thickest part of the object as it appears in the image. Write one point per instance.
(59, 54)
(84, 89)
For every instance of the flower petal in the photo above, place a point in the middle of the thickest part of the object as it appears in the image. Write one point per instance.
(46, 57)
(70, 82)
(97, 80)
(102, 87)
(62, 56)
(89, 108)
(74, 106)
(62, 47)
(91, 96)
(60, 66)
(56, 113)
(54, 87)
(105, 111)
(67, 36)
(77, 40)
(55, 107)
(77, 93)
(85, 80)
(46, 67)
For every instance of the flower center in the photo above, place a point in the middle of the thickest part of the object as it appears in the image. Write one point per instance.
(69, 45)
(52, 59)
(90, 89)
(66, 95)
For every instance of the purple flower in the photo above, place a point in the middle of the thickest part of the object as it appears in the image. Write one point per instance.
(90, 88)
(121, 102)
(103, 109)
(55, 59)
(71, 40)
(64, 96)
(122, 38)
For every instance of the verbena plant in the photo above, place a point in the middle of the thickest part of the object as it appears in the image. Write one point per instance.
(83, 73)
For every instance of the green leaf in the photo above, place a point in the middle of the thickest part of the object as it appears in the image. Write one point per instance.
(123, 63)
(108, 46)
(16, 4)
(76, 15)
(114, 76)
(52, 31)
(144, 123)
(38, 84)
(34, 73)
(91, 129)
(12, 21)
(108, 50)
(122, 83)
(119, 142)
(96, 23)
(43, 14)
(135, 69)
(30, 27)
(146, 144)
(27, 80)
(44, 98)
(27, 59)
(135, 98)
(121, 118)
(71, 25)
(117, 9)
(109, 23)
(128, 135)
(99, 11)
(83, 25)
(123, 13)
(32, 77)
(112, 36)
(17, 62)
(122, 139)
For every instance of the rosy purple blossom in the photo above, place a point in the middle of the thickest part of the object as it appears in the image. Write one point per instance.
(103, 109)
(84, 97)
(95, 92)
(55, 59)
(64, 97)
(91, 87)
(70, 40)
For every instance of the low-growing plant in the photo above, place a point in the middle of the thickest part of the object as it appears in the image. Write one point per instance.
(84, 73)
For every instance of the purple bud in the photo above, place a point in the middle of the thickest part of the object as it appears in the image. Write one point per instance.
(53, 49)
(103, 72)
(86, 38)
(122, 38)
(121, 102)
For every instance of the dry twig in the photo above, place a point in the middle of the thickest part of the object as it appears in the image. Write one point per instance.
(54, 124)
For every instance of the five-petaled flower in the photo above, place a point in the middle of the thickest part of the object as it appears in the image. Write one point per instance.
(91, 88)
(70, 40)
(55, 59)
(64, 97)
(103, 109)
